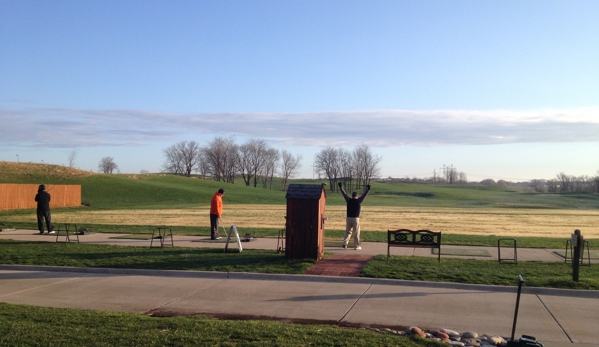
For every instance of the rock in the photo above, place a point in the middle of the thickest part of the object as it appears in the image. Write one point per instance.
(451, 333)
(495, 340)
(471, 342)
(469, 335)
(442, 335)
(419, 332)
(456, 344)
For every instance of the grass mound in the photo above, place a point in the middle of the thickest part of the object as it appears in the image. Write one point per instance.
(11, 172)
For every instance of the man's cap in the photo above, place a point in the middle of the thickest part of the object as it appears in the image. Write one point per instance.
(42, 187)
(354, 194)
(222, 191)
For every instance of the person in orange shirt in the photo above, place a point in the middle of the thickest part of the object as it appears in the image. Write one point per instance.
(216, 210)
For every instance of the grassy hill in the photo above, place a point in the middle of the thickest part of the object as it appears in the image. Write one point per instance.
(160, 191)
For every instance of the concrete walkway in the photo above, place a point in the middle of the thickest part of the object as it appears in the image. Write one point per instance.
(368, 248)
(556, 317)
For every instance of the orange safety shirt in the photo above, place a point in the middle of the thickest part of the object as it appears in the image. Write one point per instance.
(216, 204)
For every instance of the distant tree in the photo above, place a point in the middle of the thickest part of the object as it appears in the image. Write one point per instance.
(251, 160)
(182, 158)
(107, 165)
(144, 172)
(462, 178)
(503, 183)
(347, 169)
(203, 167)
(367, 165)
(71, 156)
(540, 186)
(271, 160)
(451, 174)
(289, 166)
(552, 185)
(222, 155)
(565, 182)
(326, 162)
(488, 182)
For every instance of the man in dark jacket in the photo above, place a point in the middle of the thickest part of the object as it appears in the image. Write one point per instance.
(352, 222)
(43, 210)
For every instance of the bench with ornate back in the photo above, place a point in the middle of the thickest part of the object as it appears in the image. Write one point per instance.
(411, 238)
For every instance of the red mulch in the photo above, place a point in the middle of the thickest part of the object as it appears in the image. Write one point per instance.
(338, 264)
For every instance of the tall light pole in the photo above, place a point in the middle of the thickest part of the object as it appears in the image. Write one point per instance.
(18, 160)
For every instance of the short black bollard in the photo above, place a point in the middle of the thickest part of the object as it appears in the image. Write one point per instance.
(577, 242)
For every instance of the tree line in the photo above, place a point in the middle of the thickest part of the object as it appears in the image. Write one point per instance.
(355, 169)
(223, 159)
(563, 183)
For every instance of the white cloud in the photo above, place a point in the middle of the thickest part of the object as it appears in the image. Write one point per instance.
(68, 128)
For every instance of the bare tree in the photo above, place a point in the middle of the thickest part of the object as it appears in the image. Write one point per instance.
(451, 174)
(289, 166)
(565, 182)
(271, 160)
(107, 165)
(252, 156)
(326, 162)
(552, 186)
(540, 186)
(174, 161)
(182, 158)
(203, 167)
(347, 169)
(222, 155)
(367, 165)
(71, 156)
(462, 178)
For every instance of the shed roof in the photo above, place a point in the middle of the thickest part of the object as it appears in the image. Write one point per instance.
(305, 191)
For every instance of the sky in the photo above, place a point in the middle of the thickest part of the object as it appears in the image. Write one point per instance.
(497, 89)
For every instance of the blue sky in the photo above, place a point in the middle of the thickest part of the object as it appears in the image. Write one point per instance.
(503, 90)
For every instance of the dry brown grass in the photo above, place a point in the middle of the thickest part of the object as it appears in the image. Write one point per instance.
(500, 222)
(12, 170)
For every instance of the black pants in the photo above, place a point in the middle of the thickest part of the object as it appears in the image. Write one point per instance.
(213, 226)
(44, 216)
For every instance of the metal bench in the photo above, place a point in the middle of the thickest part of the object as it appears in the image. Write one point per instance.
(414, 239)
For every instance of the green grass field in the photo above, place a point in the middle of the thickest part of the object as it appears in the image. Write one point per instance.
(22, 325)
(160, 191)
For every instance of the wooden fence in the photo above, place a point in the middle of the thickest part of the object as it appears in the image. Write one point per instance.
(13, 196)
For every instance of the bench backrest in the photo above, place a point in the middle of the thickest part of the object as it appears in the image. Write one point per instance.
(413, 237)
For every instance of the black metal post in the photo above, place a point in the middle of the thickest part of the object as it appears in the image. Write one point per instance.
(576, 255)
(520, 281)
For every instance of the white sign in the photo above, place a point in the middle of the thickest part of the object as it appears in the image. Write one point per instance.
(573, 240)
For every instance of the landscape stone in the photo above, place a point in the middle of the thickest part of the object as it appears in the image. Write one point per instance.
(442, 335)
(450, 332)
(419, 332)
(469, 335)
(471, 342)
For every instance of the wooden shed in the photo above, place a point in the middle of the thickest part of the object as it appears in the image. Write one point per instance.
(304, 228)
